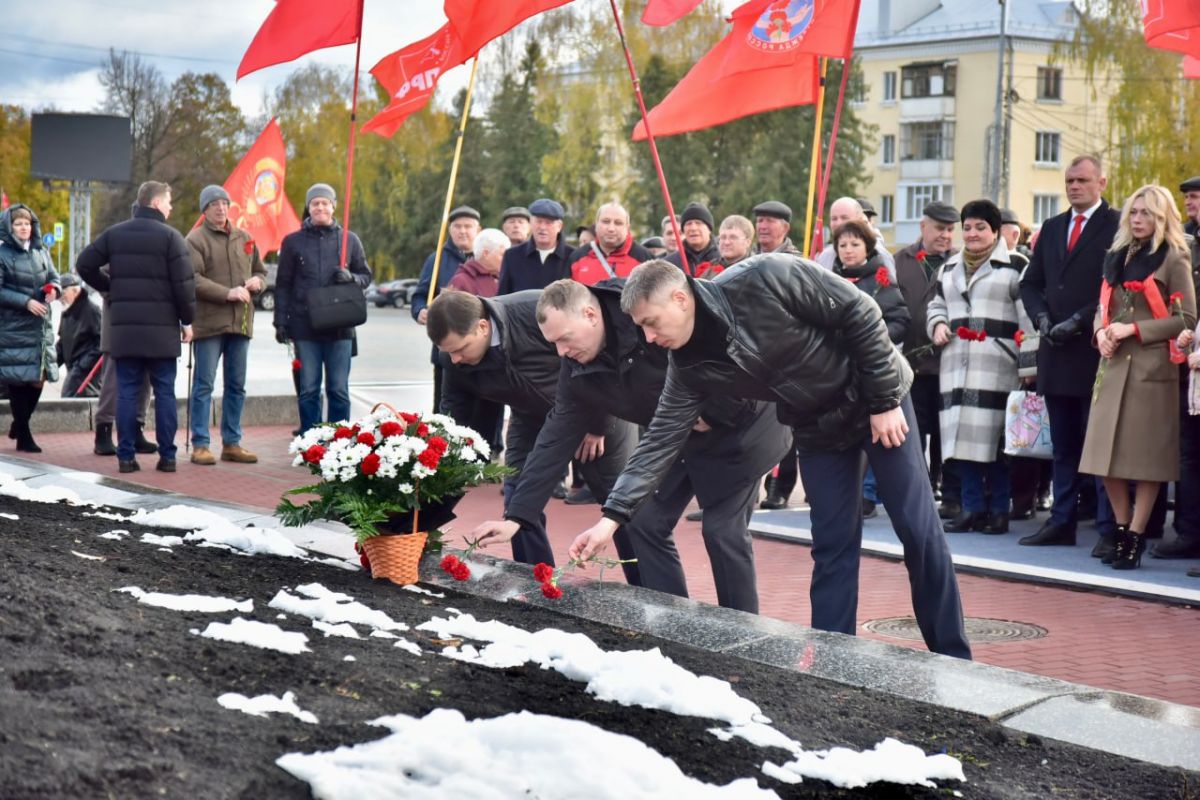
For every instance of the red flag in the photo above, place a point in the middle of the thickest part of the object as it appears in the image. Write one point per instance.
(3, 199)
(1191, 67)
(296, 27)
(778, 32)
(664, 12)
(477, 22)
(410, 75)
(258, 204)
(710, 95)
(1172, 25)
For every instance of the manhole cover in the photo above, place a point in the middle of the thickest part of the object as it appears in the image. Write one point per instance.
(978, 629)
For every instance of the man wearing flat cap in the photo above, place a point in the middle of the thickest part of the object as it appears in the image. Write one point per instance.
(700, 249)
(1012, 231)
(515, 224)
(917, 269)
(543, 259)
(772, 221)
(229, 272)
(1191, 204)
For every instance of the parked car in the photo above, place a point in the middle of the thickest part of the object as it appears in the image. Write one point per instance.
(266, 298)
(397, 293)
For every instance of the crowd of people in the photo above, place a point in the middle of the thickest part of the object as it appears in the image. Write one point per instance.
(659, 375)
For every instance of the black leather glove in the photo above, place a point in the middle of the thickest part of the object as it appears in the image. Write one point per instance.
(281, 335)
(1065, 330)
(1044, 324)
(343, 276)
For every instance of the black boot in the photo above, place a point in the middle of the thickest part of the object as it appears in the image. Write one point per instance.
(966, 522)
(1130, 547)
(142, 444)
(25, 442)
(775, 499)
(104, 441)
(996, 523)
(1105, 548)
(21, 399)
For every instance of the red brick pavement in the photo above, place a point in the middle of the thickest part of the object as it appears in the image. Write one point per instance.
(1094, 638)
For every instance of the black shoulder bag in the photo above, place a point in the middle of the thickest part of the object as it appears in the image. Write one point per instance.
(339, 305)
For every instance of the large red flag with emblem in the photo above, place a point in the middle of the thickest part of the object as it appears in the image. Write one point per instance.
(779, 32)
(296, 27)
(710, 94)
(477, 22)
(664, 12)
(257, 202)
(1172, 25)
(410, 76)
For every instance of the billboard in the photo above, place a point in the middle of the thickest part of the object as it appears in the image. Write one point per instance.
(82, 147)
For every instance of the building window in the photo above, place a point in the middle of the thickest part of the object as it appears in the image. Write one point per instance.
(887, 209)
(1045, 206)
(928, 80)
(889, 149)
(921, 195)
(889, 87)
(1049, 83)
(927, 141)
(1047, 148)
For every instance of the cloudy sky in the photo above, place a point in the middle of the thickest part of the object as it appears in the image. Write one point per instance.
(57, 50)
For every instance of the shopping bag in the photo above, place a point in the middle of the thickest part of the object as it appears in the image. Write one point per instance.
(1027, 425)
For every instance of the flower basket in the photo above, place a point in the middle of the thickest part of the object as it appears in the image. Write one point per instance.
(391, 475)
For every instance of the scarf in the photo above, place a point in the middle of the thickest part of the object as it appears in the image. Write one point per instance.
(973, 262)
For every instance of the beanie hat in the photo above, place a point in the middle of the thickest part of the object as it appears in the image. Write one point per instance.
(319, 190)
(211, 193)
(700, 212)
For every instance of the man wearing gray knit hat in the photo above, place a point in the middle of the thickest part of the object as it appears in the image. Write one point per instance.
(229, 272)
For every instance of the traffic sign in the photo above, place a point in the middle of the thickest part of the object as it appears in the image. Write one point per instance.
(48, 240)
(59, 233)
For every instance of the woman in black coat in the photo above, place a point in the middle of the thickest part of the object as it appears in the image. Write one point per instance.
(28, 284)
(858, 260)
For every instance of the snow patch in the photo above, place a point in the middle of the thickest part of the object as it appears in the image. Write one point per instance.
(515, 755)
(117, 534)
(266, 704)
(161, 541)
(412, 587)
(345, 629)
(37, 494)
(6, 515)
(332, 607)
(208, 526)
(890, 760)
(411, 647)
(189, 602)
(349, 658)
(257, 634)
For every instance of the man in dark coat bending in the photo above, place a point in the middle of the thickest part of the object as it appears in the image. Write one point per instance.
(780, 328)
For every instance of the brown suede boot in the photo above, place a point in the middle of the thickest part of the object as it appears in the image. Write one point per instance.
(235, 452)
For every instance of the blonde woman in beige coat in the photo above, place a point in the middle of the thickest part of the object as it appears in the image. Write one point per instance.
(1146, 300)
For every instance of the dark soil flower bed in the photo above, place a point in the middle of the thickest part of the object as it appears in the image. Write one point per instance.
(101, 696)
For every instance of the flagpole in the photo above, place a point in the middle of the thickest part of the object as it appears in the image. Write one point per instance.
(662, 179)
(816, 160)
(350, 148)
(458, 146)
(837, 122)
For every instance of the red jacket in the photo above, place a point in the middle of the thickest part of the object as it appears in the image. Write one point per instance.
(472, 278)
(587, 269)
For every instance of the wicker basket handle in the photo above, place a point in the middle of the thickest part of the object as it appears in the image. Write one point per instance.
(417, 487)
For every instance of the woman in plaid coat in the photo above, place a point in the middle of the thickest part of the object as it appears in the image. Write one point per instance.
(974, 317)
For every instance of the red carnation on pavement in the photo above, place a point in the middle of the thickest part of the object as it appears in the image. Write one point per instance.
(296, 365)
(390, 429)
(343, 433)
(543, 572)
(461, 571)
(366, 438)
(430, 457)
(1019, 338)
(370, 464)
(551, 591)
(314, 454)
(438, 445)
(881, 277)
(422, 430)
(449, 562)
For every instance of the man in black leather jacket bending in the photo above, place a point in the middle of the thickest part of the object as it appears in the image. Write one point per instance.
(777, 327)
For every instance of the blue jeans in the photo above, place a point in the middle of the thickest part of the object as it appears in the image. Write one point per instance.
(232, 348)
(974, 497)
(330, 358)
(131, 373)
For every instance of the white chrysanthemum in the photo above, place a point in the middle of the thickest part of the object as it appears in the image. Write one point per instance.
(406, 488)
(420, 471)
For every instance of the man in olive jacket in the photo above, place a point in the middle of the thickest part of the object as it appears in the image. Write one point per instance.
(781, 328)
(152, 300)
(229, 272)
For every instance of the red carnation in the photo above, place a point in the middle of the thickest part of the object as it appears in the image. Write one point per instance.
(461, 571)
(390, 429)
(449, 563)
(921, 254)
(542, 573)
(1176, 297)
(343, 433)
(964, 333)
(408, 418)
(422, 430)
(366, 438)
(314, 454)
(296, 365)
(48, 289)
(1135, 286)
(438, 444)
(249, 248)
(980, 336)
(1019, 338)
(370, 464)
(881, 277)
(551, 591)
(430, 457)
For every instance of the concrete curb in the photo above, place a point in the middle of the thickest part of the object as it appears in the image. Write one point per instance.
(72, 416)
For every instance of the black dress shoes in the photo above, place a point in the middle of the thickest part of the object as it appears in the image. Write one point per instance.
(949, 509)
(1050, 534)
(1177, 548)
(1106, 548)
(165, 465)
(1023, 513)
(996, 524)
(128, 466)
(966, 522)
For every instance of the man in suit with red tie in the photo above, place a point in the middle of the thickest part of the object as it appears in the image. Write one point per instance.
(1060, 290)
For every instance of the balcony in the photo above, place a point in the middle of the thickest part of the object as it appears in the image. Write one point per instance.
(919, 109)
(926, 170)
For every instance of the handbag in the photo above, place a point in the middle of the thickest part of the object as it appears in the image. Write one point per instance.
(1027, 426)
(339, 305)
